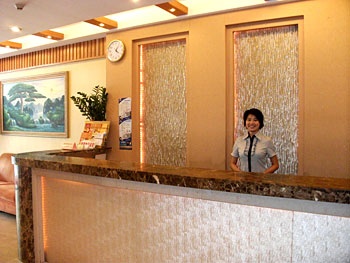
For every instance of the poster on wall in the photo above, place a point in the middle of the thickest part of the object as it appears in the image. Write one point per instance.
(125, 138)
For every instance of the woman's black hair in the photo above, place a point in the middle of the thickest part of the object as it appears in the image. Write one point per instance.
(257, 113)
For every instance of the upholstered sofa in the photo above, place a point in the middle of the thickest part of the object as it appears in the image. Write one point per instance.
(7, 184)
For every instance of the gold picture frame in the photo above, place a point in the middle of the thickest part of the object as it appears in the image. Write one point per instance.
(35, 106)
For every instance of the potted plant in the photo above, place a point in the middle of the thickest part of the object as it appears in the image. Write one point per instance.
(93, 106)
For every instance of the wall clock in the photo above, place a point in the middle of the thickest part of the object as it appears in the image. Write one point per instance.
(115, 50)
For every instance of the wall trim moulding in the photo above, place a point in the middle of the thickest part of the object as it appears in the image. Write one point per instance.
(62, 54)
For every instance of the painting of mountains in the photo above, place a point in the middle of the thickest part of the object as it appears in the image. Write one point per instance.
(35, 106)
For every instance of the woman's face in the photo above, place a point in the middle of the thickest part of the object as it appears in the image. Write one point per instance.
(252, 124)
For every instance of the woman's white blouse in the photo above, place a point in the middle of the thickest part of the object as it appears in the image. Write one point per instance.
(262, 149)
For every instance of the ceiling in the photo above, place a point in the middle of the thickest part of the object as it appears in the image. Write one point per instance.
(65, 16)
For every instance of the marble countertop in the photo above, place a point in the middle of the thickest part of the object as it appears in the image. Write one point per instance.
(336, 190)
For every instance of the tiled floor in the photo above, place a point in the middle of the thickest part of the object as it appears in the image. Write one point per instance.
(8, 239)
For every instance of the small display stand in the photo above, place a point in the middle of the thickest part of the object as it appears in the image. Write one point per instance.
(95, 134)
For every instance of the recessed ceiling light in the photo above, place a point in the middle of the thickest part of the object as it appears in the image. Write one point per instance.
(16, 29)
(19, 6)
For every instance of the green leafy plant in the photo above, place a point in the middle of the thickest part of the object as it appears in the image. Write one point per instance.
(92, 106)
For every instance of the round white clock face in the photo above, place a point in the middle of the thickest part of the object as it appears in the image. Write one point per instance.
(115, 50)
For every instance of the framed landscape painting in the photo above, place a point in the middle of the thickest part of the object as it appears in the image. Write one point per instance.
(35, 106)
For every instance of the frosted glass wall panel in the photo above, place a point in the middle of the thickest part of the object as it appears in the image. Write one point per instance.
(112, 224)
(320, 238)
(163, 103)
(86, 223)
(266, 77)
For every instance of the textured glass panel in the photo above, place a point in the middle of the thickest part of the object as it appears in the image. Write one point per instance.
(163, 103)
(266, 77)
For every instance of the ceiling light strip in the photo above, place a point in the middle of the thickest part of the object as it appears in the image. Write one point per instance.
(50, 34)
(174, 7)
(103, 22)
(10, 44)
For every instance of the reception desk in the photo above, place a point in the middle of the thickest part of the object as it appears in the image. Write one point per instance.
(73, 209)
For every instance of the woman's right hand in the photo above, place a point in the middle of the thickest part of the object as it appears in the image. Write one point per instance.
(233, 164)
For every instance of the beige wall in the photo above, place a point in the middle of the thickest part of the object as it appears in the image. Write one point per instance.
(325, 98)
(324, 83)
(82, 76)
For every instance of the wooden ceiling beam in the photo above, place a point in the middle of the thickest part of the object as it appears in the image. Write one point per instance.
(10, 44)
(50, 34)
(174, 7)
(103, 22)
